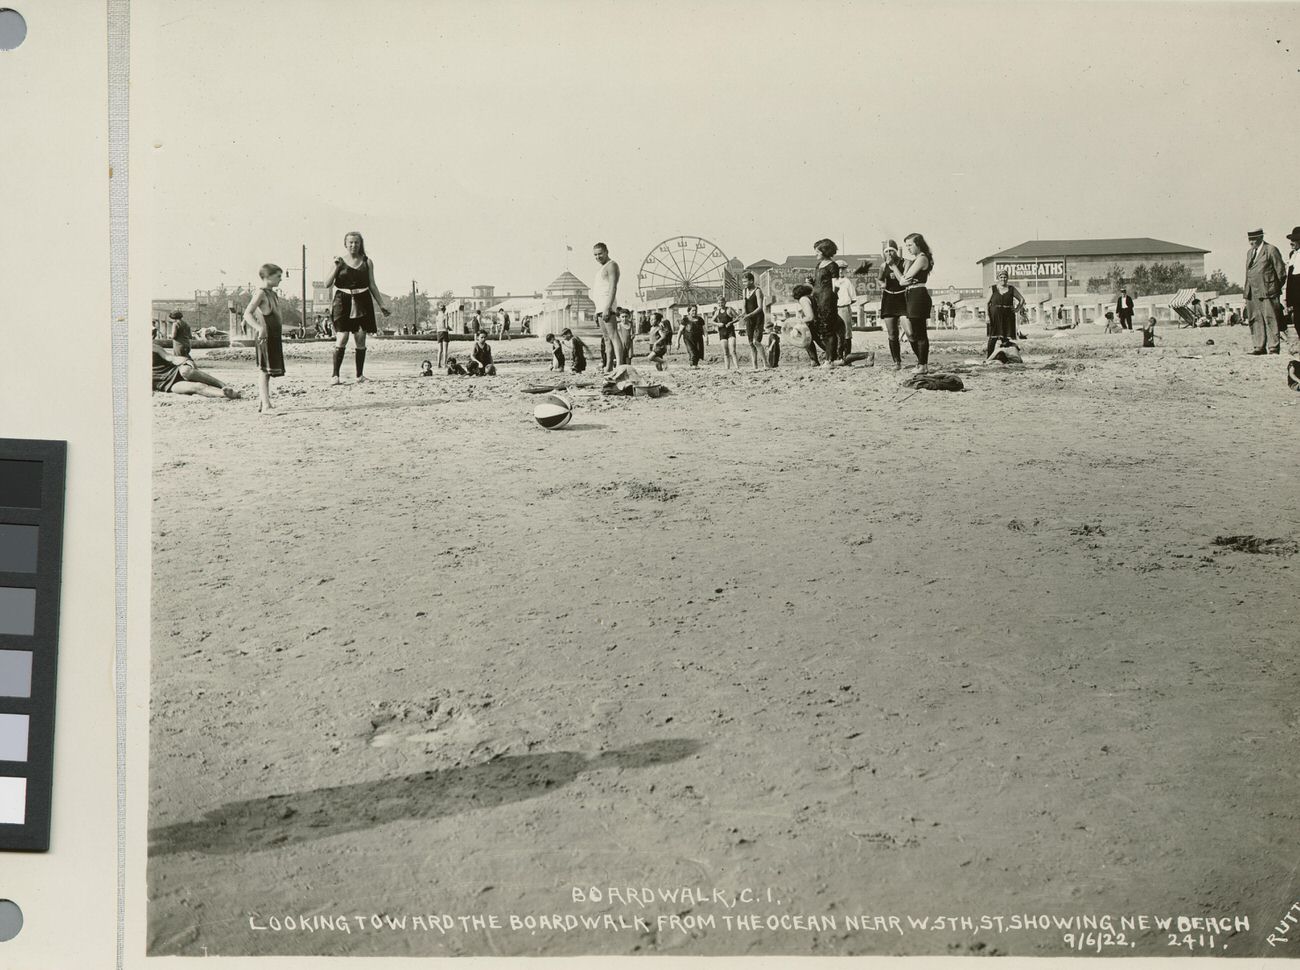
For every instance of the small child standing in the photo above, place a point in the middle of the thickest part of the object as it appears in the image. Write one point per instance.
(262, 315)
(577, 350)
(772, 342)
(1149, 333)
(557, 353)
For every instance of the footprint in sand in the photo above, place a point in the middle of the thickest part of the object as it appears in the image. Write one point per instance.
(440, 722)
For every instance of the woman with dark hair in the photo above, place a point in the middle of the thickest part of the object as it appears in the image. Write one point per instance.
(355, 297)
(182, 337)
(829, 327)
(1005, 303)
(691, 333)
(893, 302)
(911, 274)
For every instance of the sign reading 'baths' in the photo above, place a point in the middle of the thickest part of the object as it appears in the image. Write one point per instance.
(1040, 269)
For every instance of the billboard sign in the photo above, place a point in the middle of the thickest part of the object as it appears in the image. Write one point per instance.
(776, 283)
(1042, 269)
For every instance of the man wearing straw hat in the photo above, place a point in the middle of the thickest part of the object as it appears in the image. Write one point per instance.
(1265, 273)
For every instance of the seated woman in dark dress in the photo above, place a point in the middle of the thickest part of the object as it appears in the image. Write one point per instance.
(180, 376)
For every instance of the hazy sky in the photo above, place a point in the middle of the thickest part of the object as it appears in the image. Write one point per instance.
(471, 141)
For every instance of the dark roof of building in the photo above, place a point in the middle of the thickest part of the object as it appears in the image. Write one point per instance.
(567, 282)
(760, 264)
(808, 262)
(1094, 247)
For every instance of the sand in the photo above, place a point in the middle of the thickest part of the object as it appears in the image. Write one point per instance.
(797, 638)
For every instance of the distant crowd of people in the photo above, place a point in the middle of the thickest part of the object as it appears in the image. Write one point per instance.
(819, 325)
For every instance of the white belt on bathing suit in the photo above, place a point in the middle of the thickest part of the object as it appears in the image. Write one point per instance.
(356, 310)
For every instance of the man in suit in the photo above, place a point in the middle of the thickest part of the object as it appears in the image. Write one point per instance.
(1265, 273)
(1124, 309)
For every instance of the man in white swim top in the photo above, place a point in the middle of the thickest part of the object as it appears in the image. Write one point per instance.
(605, 295)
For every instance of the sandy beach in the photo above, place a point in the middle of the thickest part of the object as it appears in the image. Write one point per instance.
(802, 641)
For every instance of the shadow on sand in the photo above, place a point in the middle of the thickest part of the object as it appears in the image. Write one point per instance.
(260, 823)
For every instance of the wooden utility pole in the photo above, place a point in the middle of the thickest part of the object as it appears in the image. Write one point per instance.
(414, 322)
(304, 288)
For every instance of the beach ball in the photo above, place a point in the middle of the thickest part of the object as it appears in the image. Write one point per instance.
(554, 412)
(799, 334)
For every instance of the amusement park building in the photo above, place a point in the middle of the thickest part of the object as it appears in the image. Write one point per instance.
(571, 290)
(1051, 269)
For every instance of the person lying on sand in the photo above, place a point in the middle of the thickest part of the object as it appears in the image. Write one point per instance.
(454, 369)
(177, 375)
(1006, 352)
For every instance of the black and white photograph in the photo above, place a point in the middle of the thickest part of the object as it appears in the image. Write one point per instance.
(715, 479)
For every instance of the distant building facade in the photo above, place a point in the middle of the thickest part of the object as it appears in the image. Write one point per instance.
(776, 280)
(1053, 269)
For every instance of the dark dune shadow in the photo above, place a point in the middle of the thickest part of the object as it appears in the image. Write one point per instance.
(585, 426)
(362, 405)
(254, 824)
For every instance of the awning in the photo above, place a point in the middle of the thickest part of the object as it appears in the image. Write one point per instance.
(1182, 298)
(663, 303)
(520, 306)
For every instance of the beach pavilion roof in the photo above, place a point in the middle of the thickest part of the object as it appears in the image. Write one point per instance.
(1095, 247)
(566, 282)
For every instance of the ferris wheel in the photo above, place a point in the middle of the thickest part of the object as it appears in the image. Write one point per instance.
(687, 268)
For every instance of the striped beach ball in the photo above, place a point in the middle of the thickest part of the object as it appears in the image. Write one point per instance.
(554, 412)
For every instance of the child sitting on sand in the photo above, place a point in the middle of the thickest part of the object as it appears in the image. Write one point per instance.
(1111, 325)
(577, 350)
(426, 368)
(454, 369)
(480, 357)
(557, 354)
(1006, 352)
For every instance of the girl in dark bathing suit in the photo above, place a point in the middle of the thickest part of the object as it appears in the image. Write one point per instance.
(263, 315)
(355, 297)
(912, 274)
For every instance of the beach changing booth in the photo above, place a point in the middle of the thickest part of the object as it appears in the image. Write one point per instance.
(1186, 305)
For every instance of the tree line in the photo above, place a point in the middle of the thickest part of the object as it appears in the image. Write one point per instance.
(1144, 280)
